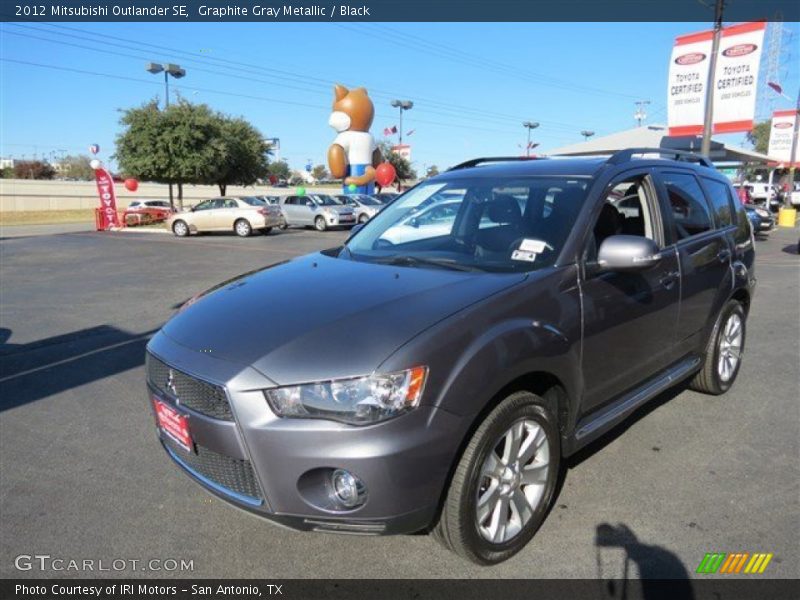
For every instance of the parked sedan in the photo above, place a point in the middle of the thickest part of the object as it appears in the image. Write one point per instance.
(385, 197)
(317, 210)
(364, 206)
(241, 215)
(761, 219)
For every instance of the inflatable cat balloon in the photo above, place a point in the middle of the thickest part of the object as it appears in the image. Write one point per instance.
(354, 154)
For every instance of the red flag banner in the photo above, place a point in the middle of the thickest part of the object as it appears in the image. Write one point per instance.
(108, 200)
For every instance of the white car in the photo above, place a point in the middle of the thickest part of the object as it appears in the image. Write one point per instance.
(431, 221)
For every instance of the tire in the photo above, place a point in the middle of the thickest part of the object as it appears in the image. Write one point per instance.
(320, 224)
(465, 531)
(724, 350)
(266, 230)
(242, 228)
(180, 228)
(363, 219)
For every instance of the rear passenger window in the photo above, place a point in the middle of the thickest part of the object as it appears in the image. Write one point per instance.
(690, 213)
(721, 199)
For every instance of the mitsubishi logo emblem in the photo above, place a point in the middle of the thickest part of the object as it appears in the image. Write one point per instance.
(170, 383)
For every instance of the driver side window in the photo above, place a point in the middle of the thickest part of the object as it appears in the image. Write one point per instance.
(628, 209)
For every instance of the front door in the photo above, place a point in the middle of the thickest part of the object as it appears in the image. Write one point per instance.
(629, 319)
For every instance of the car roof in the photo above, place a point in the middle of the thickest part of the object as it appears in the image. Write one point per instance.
(570, 166)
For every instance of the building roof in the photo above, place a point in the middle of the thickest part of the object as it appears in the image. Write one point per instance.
(657, 136)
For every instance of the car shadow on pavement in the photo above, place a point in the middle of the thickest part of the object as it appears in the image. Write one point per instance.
(653, 562)
(792, 249)
(36, 370)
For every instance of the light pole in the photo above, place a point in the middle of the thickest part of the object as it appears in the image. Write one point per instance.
(529, 125)
(177, 72)
(640, 114)
(402, 105)
(277, 143)
(586, 133)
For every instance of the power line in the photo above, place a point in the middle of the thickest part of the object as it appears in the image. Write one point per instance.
(450, 108)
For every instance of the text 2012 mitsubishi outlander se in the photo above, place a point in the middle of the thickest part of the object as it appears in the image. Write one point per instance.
(433, 372)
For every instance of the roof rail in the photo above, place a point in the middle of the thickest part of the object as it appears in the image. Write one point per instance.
(490, 159)
(625, 155)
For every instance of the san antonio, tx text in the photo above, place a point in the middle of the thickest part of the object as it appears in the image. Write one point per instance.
(286, 11)
(130, 589)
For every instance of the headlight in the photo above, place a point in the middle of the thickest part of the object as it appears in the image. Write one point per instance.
(762, 212)
(359, 401)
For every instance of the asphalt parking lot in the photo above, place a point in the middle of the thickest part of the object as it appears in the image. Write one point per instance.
(83, 476)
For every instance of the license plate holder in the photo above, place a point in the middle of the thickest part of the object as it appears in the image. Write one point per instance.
(173, 424)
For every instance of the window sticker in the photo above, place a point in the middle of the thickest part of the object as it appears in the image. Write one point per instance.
(535, 246)
(523, 255)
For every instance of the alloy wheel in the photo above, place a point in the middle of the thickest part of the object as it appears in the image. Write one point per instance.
(512, 481)
(730, 347)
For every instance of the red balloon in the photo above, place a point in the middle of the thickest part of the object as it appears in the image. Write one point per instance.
(385, 174)
(131, 185)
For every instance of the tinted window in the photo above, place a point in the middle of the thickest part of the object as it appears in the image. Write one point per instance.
(720, 195)
(252, 200)
(204, 205)
(690, 213)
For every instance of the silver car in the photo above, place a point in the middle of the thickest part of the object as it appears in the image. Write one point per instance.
(317, 210)
(241, 214)
(364, 206)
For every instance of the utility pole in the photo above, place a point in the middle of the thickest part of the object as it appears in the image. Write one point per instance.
(402, 105)
(640, 114)
(705, 147)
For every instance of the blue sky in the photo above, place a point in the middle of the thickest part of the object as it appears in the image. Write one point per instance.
(472, 83)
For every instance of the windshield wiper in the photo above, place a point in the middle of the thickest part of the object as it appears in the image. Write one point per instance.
(407, 260)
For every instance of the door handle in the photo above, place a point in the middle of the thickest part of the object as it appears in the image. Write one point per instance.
(669, 280)
(723, 255)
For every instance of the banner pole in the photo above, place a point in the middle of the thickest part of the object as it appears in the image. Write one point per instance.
(708, 119)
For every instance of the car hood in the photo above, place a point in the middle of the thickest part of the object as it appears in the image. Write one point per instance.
(318, 317)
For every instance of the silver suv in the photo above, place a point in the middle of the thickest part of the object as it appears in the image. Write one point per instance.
(316, 210)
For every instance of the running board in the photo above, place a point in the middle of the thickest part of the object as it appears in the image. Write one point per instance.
(593, 426)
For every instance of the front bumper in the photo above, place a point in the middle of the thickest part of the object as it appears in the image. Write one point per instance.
(404, 462)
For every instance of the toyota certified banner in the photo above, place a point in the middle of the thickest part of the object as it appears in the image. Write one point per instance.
(108, 200)
(780, 137)
(734, 84)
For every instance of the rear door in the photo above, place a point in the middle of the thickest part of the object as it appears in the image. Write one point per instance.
(704, 252)
(289, 209)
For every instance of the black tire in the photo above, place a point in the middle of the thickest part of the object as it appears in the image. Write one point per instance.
(458, 528)
(242, 228)
(709, 379)
(363, 219)
(266, 230)
(320, 224)
(180, 228)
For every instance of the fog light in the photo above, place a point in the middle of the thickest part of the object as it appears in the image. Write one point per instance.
(348, 489)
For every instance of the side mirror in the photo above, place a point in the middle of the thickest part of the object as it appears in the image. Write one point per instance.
(628, 253)
(354, 230)
(414, 223)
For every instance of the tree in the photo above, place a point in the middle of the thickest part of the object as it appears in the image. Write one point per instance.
(77, 167)
(280, 169)
(181, 144)
(432, 171)
(759, 136)
(246, 153)
(33, 169)
(319, 172)
(7, 173)
(400, 164)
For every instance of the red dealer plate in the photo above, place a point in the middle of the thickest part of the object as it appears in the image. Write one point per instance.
(174, 424)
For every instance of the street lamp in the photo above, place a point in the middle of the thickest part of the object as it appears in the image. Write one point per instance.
(529, 125)
(276, 142)
(587, 134)
(402, 105)
(177, 72)
(169, 69)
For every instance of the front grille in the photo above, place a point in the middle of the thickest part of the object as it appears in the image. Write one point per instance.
(198, 395)
(233, 474)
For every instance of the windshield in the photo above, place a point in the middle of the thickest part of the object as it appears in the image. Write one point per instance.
(489, 224)
(252, 200)
(323, 200)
